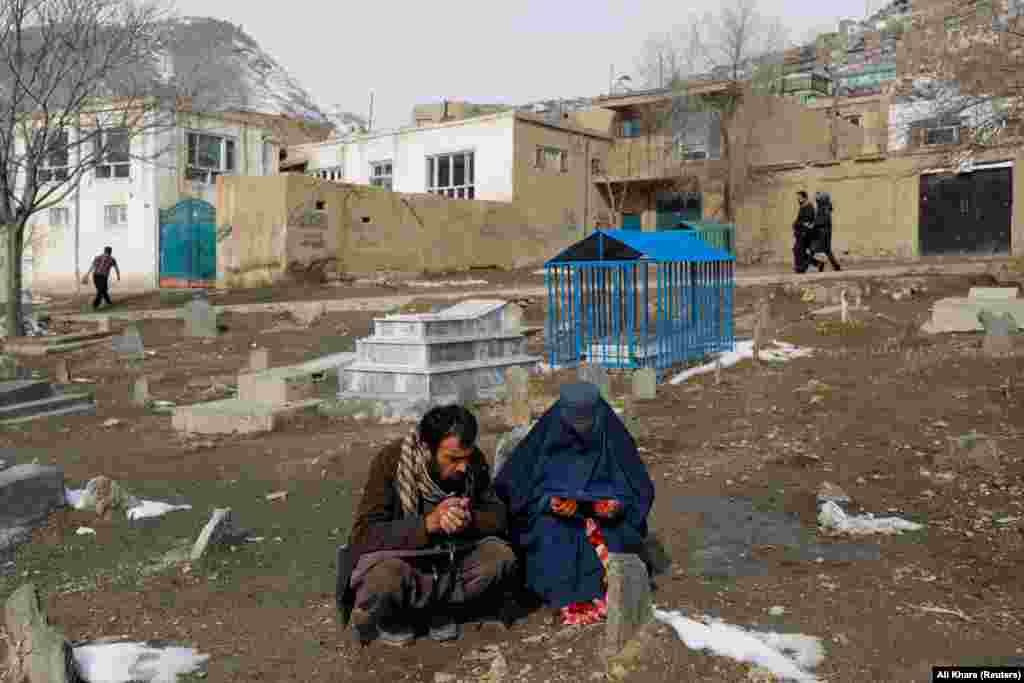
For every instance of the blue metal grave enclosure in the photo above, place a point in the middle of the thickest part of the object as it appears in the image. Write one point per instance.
(626, 299)
(188, 244)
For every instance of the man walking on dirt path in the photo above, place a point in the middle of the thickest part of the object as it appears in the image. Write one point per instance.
(100, 270)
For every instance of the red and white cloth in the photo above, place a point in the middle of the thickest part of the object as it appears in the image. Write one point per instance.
(594, 611)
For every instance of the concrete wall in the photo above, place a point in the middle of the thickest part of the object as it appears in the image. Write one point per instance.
(157, 182)
(549, 196)
(876, 207)
(268, 234)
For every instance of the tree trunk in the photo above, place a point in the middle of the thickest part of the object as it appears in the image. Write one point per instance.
(13, 235)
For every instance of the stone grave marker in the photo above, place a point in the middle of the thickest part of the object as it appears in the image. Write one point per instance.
(39, 651)
(597, 375)
(220, 530)
(629, 600)
(140, 391)
(517, 380)
(513, 318)
(645, 384)
(62, 373)
(259, 359)
(998, 339)
(10, 369)
(129, 343)
(506, 444)
(200, 319)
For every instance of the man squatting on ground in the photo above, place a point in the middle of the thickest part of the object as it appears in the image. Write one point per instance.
(426, 546)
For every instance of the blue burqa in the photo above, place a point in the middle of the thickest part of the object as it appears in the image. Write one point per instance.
(579, 449)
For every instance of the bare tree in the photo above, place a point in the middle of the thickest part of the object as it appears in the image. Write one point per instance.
(742, 49)
(84, 87)
(666, 59)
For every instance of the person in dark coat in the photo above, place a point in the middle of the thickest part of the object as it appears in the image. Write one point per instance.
(576, 491)
(821, 242)
(803, 232)
(426, 545)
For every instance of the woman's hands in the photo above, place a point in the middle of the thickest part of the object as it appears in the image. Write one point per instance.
(608, 509)
(563, 507)
(567, 507)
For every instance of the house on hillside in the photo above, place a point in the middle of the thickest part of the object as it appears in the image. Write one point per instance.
(151, 199)
(545, 167)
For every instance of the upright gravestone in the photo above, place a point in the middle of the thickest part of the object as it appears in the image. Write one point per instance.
(506, 444)
(998, 330)
(597, 375)
(128, 344)
(259, 360)
(645, 384)
(62, 373)
(38, 651)
(629, 600)
(200, 319)
(517, 381)
(512, 318)
(140, 391)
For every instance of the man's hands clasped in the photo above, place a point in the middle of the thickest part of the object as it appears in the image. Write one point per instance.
(451, 516)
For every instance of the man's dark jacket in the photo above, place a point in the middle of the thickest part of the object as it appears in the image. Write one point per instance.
(804, 220)
(380, 523)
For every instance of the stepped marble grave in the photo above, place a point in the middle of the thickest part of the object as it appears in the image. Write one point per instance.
(414, 361)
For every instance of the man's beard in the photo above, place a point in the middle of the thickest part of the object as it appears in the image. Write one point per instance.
(447, 485)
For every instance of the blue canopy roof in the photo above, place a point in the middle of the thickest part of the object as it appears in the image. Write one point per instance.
(674, 246)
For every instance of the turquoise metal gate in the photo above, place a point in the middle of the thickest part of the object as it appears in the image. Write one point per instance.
(188, 244)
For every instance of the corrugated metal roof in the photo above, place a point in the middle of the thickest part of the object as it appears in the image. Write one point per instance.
(634, 245)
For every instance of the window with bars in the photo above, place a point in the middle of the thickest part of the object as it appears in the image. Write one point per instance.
(58, 216)
(115, 215)
(332, 173)
(451, 175)
(112, 153)
(208, 157)
(54, 164)
(944, 135)
(381, 174)
(552, 158)
(630, 128)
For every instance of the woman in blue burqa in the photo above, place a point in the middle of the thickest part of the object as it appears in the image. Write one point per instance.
(576, 490)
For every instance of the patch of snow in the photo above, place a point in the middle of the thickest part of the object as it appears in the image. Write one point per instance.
(129, 662)
(789, 656)
(153, 508)
(744, 350)
(446, 283)
(146, 508)
(832, 517)
(74, 497)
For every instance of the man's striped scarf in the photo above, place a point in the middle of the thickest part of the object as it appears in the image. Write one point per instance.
(413, 476)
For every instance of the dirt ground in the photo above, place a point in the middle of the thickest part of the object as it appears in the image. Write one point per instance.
(872, 411)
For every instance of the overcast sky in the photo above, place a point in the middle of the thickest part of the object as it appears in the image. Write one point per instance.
(513, 52)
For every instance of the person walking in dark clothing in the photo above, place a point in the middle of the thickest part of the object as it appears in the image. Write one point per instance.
(100, 270)
(822, 239)
(803, 228)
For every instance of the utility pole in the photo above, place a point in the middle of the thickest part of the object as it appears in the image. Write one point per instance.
(611, 78)
(369, 119)
(661, 71)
